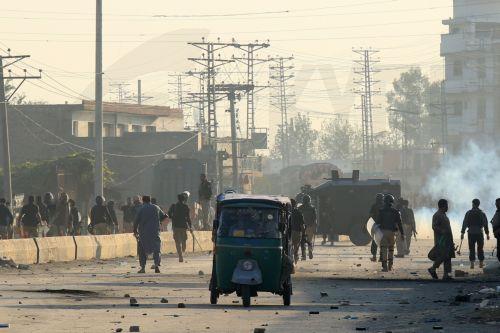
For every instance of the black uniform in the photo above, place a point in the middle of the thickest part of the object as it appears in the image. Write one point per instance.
(100, 219)
(495, 226)
(389, 220)
(309, 213)
(6, 220)
(181, 222)
(475, 221)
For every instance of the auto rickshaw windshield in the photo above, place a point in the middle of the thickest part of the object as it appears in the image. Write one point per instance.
(249, 222)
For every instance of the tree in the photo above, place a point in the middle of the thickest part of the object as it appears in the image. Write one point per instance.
(301, 140)
(340, 140)
(410, 105)
(18, 98)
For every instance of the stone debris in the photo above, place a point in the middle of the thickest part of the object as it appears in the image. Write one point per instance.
(313, 312)
(126, 296)
(134, 329)
(323, 294)
(118, 330)
(181, 305)
(463, 298)
(259, 330)
(360, 328)
(201, 273)
(164, 300)
(133, 302)
(437, 327)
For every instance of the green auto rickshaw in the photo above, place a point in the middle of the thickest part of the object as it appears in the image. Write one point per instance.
(252, 250)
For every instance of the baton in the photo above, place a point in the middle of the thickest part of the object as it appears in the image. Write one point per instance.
(460, 247)
(194, 238)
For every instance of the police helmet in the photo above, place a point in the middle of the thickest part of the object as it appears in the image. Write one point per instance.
(389, 199)
(306, 199)
(379, 197)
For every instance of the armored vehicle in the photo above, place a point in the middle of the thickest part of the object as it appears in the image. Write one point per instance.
(344, 204)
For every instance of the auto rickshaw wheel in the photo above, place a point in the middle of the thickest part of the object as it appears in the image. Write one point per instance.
(287, 292)
(245, 295)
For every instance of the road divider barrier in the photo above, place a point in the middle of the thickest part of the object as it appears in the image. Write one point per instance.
(69, 248)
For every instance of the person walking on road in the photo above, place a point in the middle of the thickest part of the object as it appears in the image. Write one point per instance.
(181, 223)
(205, 197)
(6, 220)
(443, 241)
(308, 211)
(62, 222)
(475, 221)
(101, 222)
(389, 221)
(44, 216)
(75, 217)
(374, 211)
(147, 232)
(495, 226)
(298, 229)
(29, 218)
(409, 225)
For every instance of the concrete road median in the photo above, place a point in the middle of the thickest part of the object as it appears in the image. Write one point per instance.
(21, 251)
(55, 249)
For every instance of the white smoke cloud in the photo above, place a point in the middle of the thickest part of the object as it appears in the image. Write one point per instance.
(472, 173)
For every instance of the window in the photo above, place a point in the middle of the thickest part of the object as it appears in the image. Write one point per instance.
(137, 128)
(75, 128)
(249, 222)
(108, 130)
(481, 109)
(90, 130)
(458, 108)
(151, 129)
(121, 129)
(457, 68)
(481, 68)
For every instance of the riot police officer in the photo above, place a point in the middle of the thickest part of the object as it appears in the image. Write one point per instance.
(374, 211)
(389, 221)
(309, 213)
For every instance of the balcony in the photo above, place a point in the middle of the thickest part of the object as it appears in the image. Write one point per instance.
(458, 43)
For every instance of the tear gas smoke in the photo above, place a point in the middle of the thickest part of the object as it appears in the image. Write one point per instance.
(462, 177)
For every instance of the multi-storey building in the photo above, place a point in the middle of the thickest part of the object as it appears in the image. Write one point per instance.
(471, 50)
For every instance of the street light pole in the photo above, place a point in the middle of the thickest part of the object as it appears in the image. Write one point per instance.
(99, 156)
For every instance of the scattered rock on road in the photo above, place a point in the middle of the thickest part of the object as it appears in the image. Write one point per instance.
(181, 305)
(133, 302)
(259, 330)
(323, 294)
(134, 329)
(164, 300)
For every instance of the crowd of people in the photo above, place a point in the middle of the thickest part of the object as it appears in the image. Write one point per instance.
(47, 216)
(397, 225)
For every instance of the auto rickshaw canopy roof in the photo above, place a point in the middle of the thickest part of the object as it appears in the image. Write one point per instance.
(227, 198)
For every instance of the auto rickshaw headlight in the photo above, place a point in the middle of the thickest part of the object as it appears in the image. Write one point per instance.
(247, 265)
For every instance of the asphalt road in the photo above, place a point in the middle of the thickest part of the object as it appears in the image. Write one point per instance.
(90, 297)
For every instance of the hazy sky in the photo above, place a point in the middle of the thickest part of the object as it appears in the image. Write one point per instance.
(59, 34)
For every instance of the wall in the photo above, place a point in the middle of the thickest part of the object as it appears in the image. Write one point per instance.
(61, 249)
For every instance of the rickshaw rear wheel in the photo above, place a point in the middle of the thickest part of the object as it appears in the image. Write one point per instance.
(287, 292)
(245, 295)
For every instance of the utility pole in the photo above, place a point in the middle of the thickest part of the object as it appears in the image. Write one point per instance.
(99, 154)
(121, 91)
(280, 74)
(139, 92)
(197, 100)
(210, 63)
(4, 121)
(366, 92)
(250, 61)
(231, 90)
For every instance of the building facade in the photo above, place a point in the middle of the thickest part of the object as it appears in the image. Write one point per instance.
(471, 50)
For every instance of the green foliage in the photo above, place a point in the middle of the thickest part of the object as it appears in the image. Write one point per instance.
(301, 140)
(340, 140)
(411, 99)
(41, 176)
